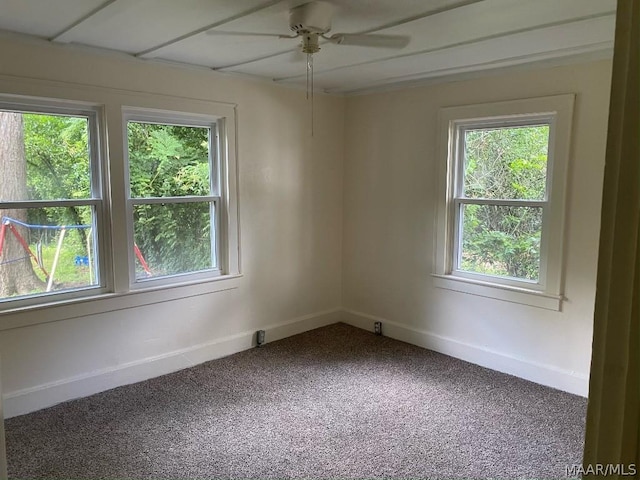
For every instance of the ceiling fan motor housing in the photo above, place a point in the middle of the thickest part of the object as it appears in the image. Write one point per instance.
(313, 17)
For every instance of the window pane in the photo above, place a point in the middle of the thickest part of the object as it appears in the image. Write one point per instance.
(168, 160)
(173, 238)
(507, 163)
(501, 240)
(46, 250)
(44, 157)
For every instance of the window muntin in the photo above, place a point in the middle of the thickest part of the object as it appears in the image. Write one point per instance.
(500, 198)
(174, 200)
(50, 203)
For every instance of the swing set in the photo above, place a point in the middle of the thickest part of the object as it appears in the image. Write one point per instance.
(8, 225)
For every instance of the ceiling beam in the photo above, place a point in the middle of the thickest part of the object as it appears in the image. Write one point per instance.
(153, 51)
(455, 44)
(62, 36)
(428, 13)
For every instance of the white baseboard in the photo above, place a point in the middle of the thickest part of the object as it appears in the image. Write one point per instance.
(543, 374)
(31, 399)
(46, 395)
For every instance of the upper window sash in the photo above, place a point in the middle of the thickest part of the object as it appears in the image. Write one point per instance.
(181, 119)
(94, 129)
(459, 128)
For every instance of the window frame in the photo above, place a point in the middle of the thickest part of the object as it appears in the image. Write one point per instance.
(218, 162)
(97, 165)
(555, 111)
(116, 293)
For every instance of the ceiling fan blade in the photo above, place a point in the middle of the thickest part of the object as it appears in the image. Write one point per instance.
(370, 40)
(248, 34)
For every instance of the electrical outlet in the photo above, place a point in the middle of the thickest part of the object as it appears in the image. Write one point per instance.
(260, 336)
(377, 328)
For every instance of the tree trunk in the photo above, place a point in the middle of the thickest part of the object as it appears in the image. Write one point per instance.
(16, 272)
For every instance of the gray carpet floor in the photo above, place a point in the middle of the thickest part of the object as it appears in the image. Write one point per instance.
(336, 402)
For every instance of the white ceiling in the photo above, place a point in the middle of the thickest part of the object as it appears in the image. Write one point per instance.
(448, 37)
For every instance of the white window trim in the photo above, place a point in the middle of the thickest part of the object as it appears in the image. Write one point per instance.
(94, 114)
(558, 111)
(223, 196)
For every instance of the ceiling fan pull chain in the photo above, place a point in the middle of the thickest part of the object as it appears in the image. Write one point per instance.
(308, 69)
(310, 85)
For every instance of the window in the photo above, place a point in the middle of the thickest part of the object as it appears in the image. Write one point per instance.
(154, 220)
(175, 197)
(501, 215)
(51, 208)
(500, 198)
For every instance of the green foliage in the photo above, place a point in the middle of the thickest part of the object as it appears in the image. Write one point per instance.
(506, 163)
(57, 155)
(510, 249)
(58, 167)
(167, 160)
(511, 164)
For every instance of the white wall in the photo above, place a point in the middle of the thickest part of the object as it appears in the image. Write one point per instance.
(296, 231)
(290, 193)
(390, 182)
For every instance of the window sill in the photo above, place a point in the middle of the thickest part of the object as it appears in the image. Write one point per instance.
(109, 302)
(505, 293)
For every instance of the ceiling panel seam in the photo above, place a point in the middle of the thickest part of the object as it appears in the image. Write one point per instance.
(146, 53)
(59, 35)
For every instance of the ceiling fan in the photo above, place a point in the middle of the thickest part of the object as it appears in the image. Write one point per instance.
(312, 21)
